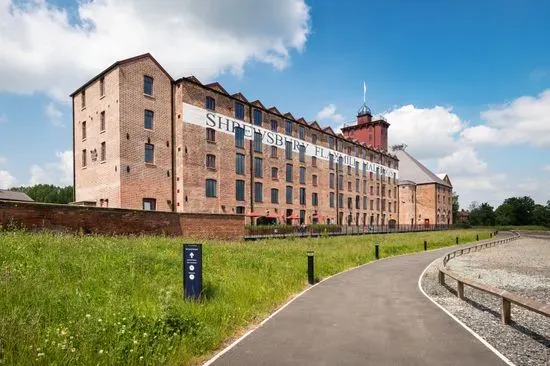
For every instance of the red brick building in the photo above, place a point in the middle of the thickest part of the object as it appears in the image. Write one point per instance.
(144, 140)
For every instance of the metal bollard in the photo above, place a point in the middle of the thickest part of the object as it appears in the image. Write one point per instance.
(377, 251)
(490, 235)
(457, 239)
(477, 237)
(310, 268)
(425, 245)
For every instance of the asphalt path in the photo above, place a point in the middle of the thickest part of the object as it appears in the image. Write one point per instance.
(372, 315)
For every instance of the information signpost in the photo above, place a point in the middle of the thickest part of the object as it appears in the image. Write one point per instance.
(192, 271)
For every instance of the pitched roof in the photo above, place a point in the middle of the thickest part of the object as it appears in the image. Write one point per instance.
(412, 170)
(14, 196)
(240, 97)
(118, 63)
(217, 86)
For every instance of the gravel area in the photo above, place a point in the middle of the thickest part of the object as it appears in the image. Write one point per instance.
(521, 266)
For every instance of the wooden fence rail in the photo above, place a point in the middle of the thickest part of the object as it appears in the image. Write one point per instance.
(507, 298)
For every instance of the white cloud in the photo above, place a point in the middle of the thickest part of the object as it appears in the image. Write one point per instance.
(526, 120)
(462, 161)
(546, 168)
(6, 179)
(204, 38)
(428, 132)
(58, 173)
(328, 114)
(54, 115)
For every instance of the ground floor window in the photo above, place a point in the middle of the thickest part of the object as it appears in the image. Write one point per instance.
(149, 204)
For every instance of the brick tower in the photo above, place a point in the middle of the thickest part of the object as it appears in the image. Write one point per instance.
(369, 130)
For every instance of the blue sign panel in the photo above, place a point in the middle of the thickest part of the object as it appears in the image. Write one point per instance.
(192, 270)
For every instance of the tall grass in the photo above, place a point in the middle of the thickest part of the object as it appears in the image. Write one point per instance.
(118, 300)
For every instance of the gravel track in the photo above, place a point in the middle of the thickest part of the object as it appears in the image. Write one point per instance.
(522, 267)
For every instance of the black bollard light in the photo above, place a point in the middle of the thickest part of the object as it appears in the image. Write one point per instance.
(457, 239)
(477, 237)
(310, 268)
(377, 251)
(490, 235)
(425, 245)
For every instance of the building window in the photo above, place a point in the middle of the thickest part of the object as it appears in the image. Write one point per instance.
(389, 206)
(364, 186)
(83, 130)
(350, 203)
(357, 202)
(101, 87)
(258, 167)
(148, 119)
(211, 161)
(84, 158)
(314, 161)
(331, 181)
(349, 170)
(239, 137)
(210, 135)
(239, 164)
(302, 175)
(331, 199)
(83, 99)
(302, 133)
(257, 142)
(314, 199)
(289, 172)
(239, 210)
(103, 151)
(274, 173)
(340, 182)
(288, 194)
(314, 179)
(147, 85)
(371, 190)
(371, 205)
(211, 188)
(149, 204)
(370, 176)
(378, 204)
(102, 121)
(257, 117)
(341, 164)
(330, 161)
(349, 186)
(288, 127)
(302, 196)
(273, 151)
(288, 150)
(356, 168)
(302, 153)
(364, 169)
(314, 139)
(210, 103)
(330, 142)
(357, 185)
(274, 195)
(149, 153)
(258, 192)
(364, 202)
(341, 200)
(239, 111)
(274, 125)
(239, 190)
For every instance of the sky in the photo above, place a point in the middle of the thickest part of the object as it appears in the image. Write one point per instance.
(465, 85)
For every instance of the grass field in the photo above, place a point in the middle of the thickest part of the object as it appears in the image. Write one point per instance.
(117, 300)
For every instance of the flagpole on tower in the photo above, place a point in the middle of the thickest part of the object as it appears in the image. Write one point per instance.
(364, 92)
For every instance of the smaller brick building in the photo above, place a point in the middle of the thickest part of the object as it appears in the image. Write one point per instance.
(424, 197)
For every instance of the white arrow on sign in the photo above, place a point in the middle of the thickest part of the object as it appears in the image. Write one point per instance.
(192, 254)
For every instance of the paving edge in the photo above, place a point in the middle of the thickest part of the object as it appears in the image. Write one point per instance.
(479, 338)
(249, 332)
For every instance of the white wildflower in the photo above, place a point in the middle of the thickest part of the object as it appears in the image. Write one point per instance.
(100, 351)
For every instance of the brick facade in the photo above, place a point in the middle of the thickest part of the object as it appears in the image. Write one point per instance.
(177, 178)
(97, 220)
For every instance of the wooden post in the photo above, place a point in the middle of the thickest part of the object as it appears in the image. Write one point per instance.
(441, 278)
(460, 290)
(506, 311)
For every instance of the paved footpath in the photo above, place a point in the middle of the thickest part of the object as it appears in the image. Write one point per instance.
(373, 315)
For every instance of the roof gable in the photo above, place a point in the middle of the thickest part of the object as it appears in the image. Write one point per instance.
(257, 103)
(217, 86)
(329, 130)
(289, 116)
(194, 79)
(315, 125)
(240, 97)
(274, 110)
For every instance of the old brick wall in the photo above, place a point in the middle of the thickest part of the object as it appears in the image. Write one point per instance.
(97, 220)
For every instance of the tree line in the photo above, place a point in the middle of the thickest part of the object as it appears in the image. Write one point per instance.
(514, 211)
(47, 193)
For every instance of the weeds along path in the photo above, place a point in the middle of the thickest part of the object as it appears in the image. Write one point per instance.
(372, 315)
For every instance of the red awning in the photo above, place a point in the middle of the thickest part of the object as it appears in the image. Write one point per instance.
(293, 217)
(316, 216)
(254, 214)
(272, 216)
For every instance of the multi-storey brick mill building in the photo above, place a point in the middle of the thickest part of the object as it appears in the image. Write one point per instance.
(143, 140)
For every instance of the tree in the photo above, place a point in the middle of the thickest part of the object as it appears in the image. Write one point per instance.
(456, 207)
(541, 215)
(47, 193)
(516, 211)
(481, 214)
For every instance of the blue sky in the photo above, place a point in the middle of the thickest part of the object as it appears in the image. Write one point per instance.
(462, 83)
